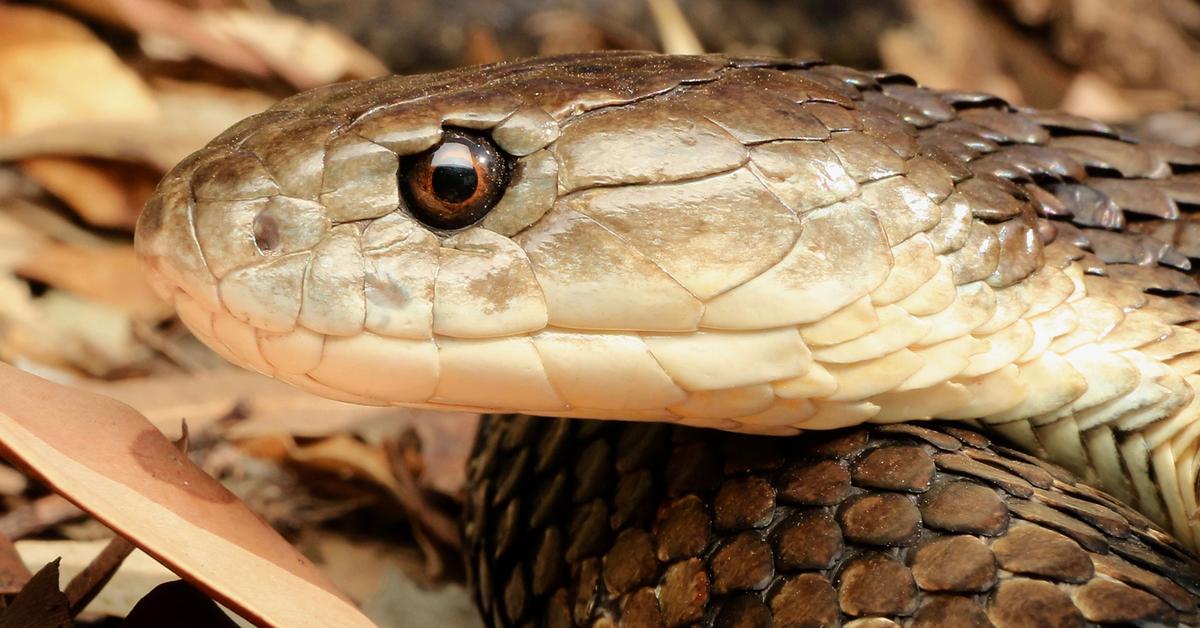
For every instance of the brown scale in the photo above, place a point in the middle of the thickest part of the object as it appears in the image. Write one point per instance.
(606, 523)
(1100, 177)
(1126, 209)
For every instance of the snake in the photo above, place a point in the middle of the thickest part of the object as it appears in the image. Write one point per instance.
(787, 300)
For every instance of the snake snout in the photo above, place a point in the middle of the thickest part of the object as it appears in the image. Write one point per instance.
(303, 260)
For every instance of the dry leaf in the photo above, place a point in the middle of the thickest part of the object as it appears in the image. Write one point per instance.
(40, 602)
(109, 274)
(259, 42)
(188, 116)
(13, 573)
(270, 408)
(113, 463)
(266, 405)
(91, 580)
(346, 456)
(38, 223)
(37, 515)
(53, 71)
(169, 22)
(58, 330)
(1091, 95)
(387, 578)
(105, 194)
(12, 482)
(307, 54)
(137, 575)
(177, 604)
(948, 48)
(94, 337)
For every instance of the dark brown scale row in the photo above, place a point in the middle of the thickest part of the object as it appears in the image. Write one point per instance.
(1128, 203)
(1123, 207)
(607, 523)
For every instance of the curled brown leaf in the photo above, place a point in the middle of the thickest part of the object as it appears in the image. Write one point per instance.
(110, 461)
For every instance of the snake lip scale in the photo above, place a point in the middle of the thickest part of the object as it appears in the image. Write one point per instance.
(764, 246)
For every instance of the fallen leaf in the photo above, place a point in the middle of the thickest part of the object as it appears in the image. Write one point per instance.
(53, 71)
(266, 405)
(136, 577)
(13, 573)
(108, 274)
(108, 459)
(12, 482)
(403, 454)
(188, 116)
(948, 47)
(258, 42)
(40, 222)
(270, 408)
(40, 603)
(159, 20)
(105, 194)
(177, 604)
(357, 562)
(59, 331)
(94, 337)
(37, 515)
(85, 320)
(307, 54)
(1090, 94)
(347, 456)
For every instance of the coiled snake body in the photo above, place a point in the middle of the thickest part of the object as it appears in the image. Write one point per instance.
(759, 246)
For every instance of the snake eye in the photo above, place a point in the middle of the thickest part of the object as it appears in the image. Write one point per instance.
(457, 182)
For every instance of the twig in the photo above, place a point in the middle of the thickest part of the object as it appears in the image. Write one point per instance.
(87, 583)
(677, 36)
(153, 338)
(437, 524)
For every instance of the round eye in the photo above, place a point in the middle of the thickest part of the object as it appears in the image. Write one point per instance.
(457, 182)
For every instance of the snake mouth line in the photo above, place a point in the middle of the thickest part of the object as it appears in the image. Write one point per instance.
(410, 371)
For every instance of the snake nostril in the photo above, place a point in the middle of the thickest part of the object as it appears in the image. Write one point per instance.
(266, 233)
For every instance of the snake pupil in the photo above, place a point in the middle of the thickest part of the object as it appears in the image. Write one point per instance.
(457, 182)
(454, 178)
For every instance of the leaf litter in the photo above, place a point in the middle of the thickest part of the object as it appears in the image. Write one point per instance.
(98, 98)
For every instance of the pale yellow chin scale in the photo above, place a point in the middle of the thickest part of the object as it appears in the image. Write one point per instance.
(1031, 354)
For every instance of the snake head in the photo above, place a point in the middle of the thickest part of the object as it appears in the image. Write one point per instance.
(624, 235)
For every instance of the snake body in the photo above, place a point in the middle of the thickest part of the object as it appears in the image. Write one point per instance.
(609, 523)
(753, 245)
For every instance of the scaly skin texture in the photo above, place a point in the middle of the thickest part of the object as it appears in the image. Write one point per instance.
(751, 245)
(593, 523)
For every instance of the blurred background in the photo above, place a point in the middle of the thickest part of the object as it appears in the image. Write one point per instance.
(98, 98)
